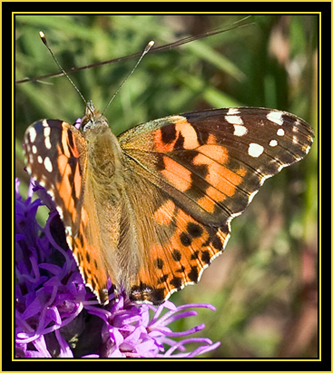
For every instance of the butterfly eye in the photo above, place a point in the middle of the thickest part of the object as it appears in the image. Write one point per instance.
(86, 126)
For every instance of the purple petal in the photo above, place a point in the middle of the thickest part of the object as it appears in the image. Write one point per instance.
(65, 351)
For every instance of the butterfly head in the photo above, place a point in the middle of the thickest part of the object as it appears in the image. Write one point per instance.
(93, 118)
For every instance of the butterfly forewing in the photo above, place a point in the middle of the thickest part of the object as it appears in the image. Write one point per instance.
(212, 162)
(54, 153)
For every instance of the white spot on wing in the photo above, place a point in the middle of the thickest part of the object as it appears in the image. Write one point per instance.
(239, 130)
(255, 150)
(234, 119)
(233, 111)
(295, 139)
(273, 143)
(68, 230)
(51, 193)
(306, 149)
(276, 117)
(59, 209)
(32, 134)
(47, 131)
(280, 132)
(295, 127)
(47, 143)
(48, 164)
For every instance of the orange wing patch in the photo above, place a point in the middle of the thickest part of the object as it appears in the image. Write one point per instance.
(220, 177)
(164, 214)
(178, 175)
(68, 166)
(216, 152)
(90, 264)
(166, 138)
(65, 188)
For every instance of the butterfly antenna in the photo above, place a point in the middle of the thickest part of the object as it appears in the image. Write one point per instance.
(145, 51)
(42, 36)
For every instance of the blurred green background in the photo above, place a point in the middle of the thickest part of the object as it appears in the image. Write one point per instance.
(264, 287)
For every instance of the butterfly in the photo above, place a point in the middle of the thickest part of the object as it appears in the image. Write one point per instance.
(151, 208)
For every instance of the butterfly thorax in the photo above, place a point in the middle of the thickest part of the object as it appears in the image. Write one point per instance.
(104, 154)
(103, 150)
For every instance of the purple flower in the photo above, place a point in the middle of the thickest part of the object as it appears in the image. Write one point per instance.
(78, 123)
(57, 316)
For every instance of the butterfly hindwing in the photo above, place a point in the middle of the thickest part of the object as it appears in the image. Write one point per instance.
(182, 248)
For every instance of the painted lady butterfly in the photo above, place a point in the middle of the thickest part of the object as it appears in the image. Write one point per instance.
(152, 208)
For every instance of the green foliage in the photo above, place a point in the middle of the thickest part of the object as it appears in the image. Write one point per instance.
(266, 281)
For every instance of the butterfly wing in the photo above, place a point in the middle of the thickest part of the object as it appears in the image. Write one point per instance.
(52, 150)
(56, 158)
(204, 168)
